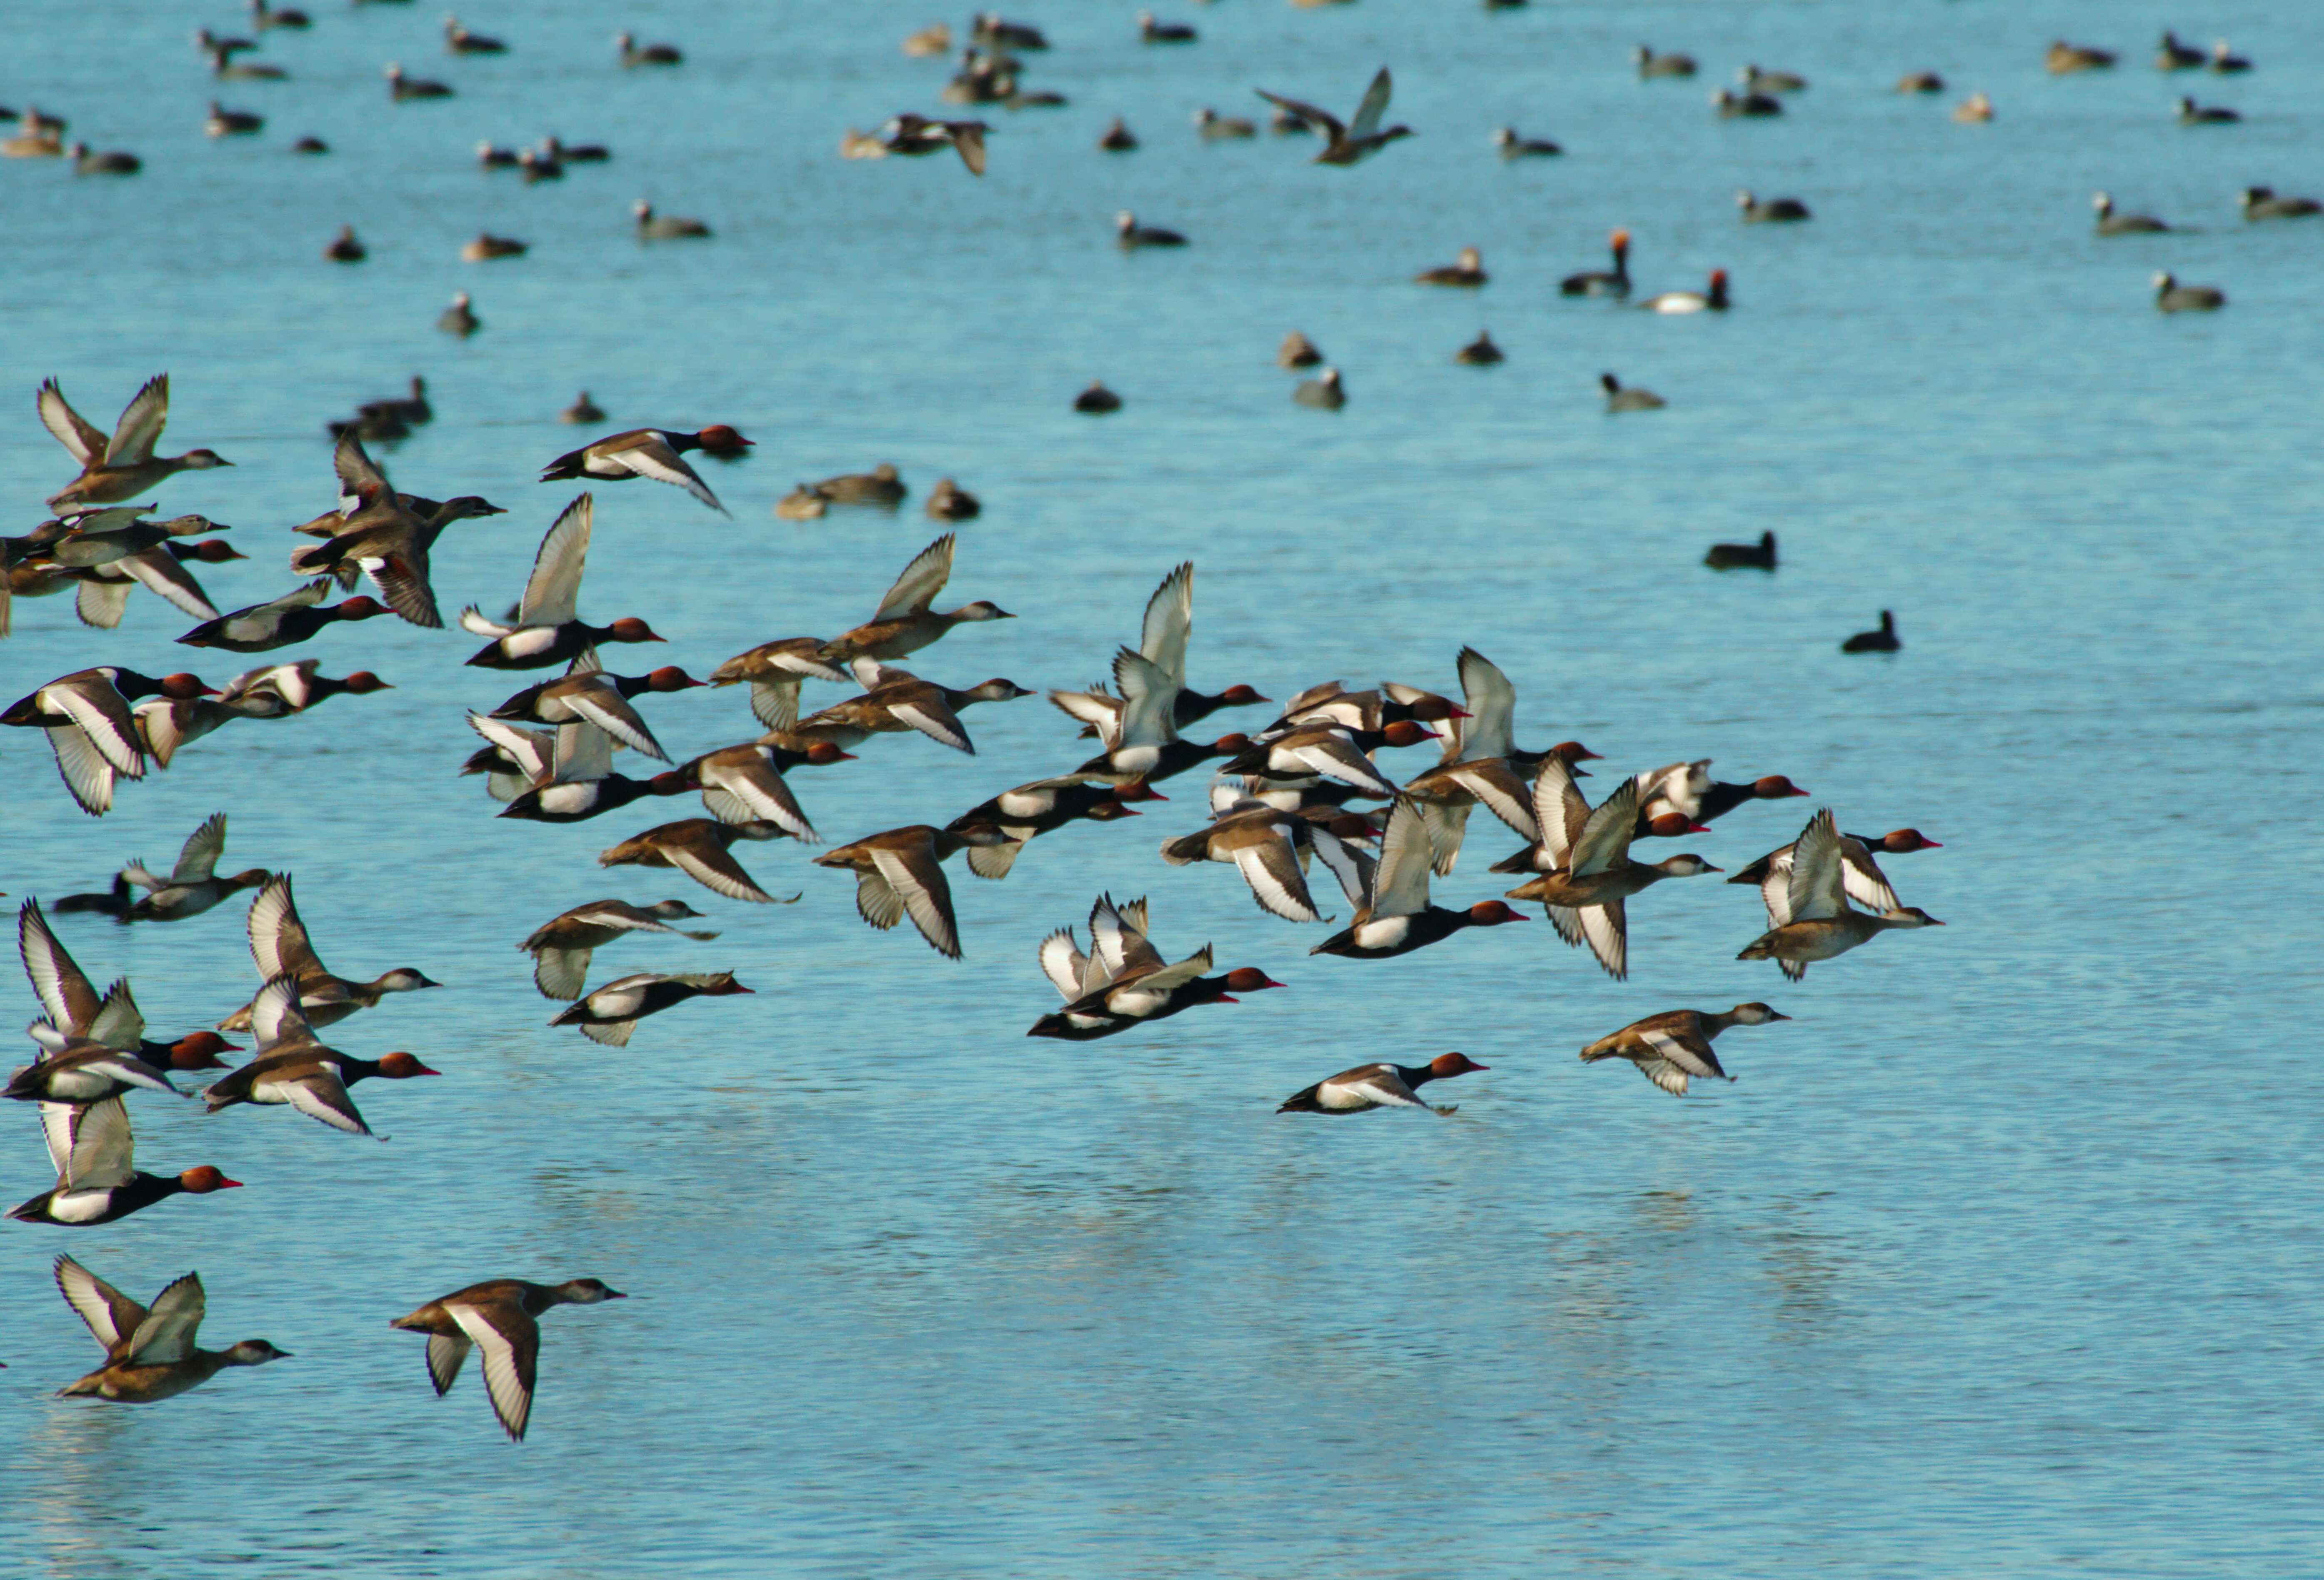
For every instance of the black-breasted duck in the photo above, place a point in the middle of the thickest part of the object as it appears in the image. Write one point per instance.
(1603, 282)
(500, 1314)
(105, 162)
(1043, 806)
(546, 630)
(1669, 1047)
(1123, 982)
(1860, 874)
(264, 17)
(300, 1073)
(2225, 62)
(1117, 138)
(97, 1180)
(636, 54)
(344, 248)
(702, 850)
(1809, 917)
(1097, 400)
(1264, 844)
(225, 123)
(595, 697)
(192, 885)
(1377, 1085)
(1881, 640)
(917, 136)
(745, 783)
(1481, 352)
(1397, 916)
(904, 623)
(301, 687)
(150, 1355)
(91, 728)
(612, 1012)
(2192, 114)
(459, 40)
(1361, 137)
(292, 618)
(2171, 55)
(1132, 235)
(402, 89)
(1150, 32)
(1732, 105)
(1743, 556)
(73, 1008)
(123, 466)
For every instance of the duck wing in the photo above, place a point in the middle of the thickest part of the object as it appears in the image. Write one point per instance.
(1491, 703)
(756, 791)
(1374, 106)
(277, 938)
(166, 1337)
(601, 706)
(510, 1341)
(102, 714)
(204, 845)
(714, 868)
(140, 426)
(920, 583)
(1400, 883)
(1334, 756)
(654, 458)
(1351, 864)
(85, 770)
(969, 139)
(319, 1093)
(1271, 869)
(277, 1018)
(1817, 884)
(120, 1025)
(75, 432)
(1118, 942)
(582, 754)
(932, 717)
(918, 879)
(359, 476)
(1063, 962)
(1170, 618)
(1380, 1083)
(553, 588)
(90, 1144)
(101, 603)
(1862, 878)
(531, 749)
(112, 1315)
(775, 702)
(157, 570)
(66, 995)
(1606, 930)
(447, 1353)
(1149, 700)
(401, 577)
(1096, 708)
(1559, 811)
(1604, 841)
(1322, 121)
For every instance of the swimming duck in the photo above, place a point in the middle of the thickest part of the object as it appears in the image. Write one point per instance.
(537, 167)
(664, 227)
(1712, 299)
(903, 623)
(1468, 270)
(1591, 870)
(1881, 640)
(1757, 210)
(382, 535)
(1669, 1047)
(2063, 57)
(805, 503)
(124, 465)
(1097, 400)
(501, 1315)
(459, 40)
(1217, 128)
(292, 618)
(881, 487)
(988, 29)
(1860, 874)
(402, 89)
(636, 54)
(1732, 105)
(775, 671)
(150, 1355)
(1324, 391)
(654, 453)
(1513, 146)
(1480, 353)
(1131, 235)
(2192, 114)
(1043, 806)
(1630, 399)
(1297, 351)
(1117, 138)
(1743, 556)
(1974, 109)
(1361, 137)
(591, 695)
(91, 727)
(700, 849)
(1755, 80)
(2261, 202)
(225, 123)
(1603, 282)
(98, 1182)
(487, 246)
(225, 68)
(293, 1068)
(192, 887)
(901, 872)
(1150, 32)
(2111, 224)
(1377, 1085)
(1397, 916)
(1122, 982)
(1920, 82)
(562, 152)
(2171, 55)
(344, 248)
(71, 1005)
(1809, 917)
(1651, 65)
(208, 43)
(562, 946)
(2224, 62)
(935, 39)
(264, 17)
(309, 145)
(612, 1012)
(110, 162)
(459, 318)
(745, 784)
(279, 947)
(583, 410)
(895, 701)
(2171, 296)
(917, 136)
(948, 501)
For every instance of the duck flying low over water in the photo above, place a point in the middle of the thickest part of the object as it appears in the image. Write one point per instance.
(293, 1068)
(97, 1180)
(1168, 621)
(896, 701)
(703, 851)
(73, 1008)
(904, 623)
(611, 1012)
(501, 1315)
(589, 696)
(301, 687)
(91, 728)
(1378, 1086)
(775, 672)
(279, 947)
(1679, 798)
(123, 466)
(380, 535)
(1360, 136)
(1122, 982)
(192, 885)
(562, 946)
(745, 783)
(1860, 874)
(1591, 873)
(901, 872)
(914, 136)
(281, 622)
(1670, 1047)
(1042, 807)
(1269, 846)
(654, 453)
(562, 775)
(547, 629)
(1809, 918)
(1396, 917)
(150, 1352)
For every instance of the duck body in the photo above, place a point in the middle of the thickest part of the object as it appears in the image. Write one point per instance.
(1651, 65)
(562, 946)
(2111, 224)
(1386, 937)
(539, 646)
(1757, 210)
(1377, 1085)
(1468, 271)
(1097, 400)
(1743, 556)
(1619, 397)
(2261, 202)
(502, 1315)
(1130, 235)
(1713, 299)
(612, 1012)
(2171, 296)
(149, 1356)
(1745, 106)
(1881, 640)
(1807, 895)
(1512, 146)
(264, 627)
(901, 872)
(1325, 393)
(1603, 282)
(702, 850)
(1670, 1047)
(654, 453)
(2063, 59)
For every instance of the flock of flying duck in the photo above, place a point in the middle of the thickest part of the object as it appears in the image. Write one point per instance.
(1312, 788)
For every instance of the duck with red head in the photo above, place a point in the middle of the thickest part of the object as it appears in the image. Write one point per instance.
(292, 618)
(1861, 876)
(1122, 982)
(1042, 807)
(210, 551)
(539, 646)
(557, 800)
(722, 443)
(1722, 798)
(1397, 916)
(1378, 1086)
(1307, 753)
(91, 1147)
(313, 1080)
(612, 1012)
(595, 697)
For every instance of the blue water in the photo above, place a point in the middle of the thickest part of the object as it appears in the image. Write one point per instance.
(2001, 1259)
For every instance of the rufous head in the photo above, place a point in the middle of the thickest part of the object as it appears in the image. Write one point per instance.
(184, 687)
(201, 1182)
(672, 781)
(719, 436)
(363, 683)
(250, 877)
(1237, 697)
(1433, 707)
(723, 984)
(1249, 979)
(1138, 790)
(363, 606)
(1233, 745)
(1670, 825)
(1451, 1064)
(1902, 841)
(1407, 732)
(631, 629)
(1621, 241)
(403, 1067)
(210, 551)
(1571, 752)
(822, 754)
(1492, 913)
(669, 677)
(1775, 787)
(200, 1050)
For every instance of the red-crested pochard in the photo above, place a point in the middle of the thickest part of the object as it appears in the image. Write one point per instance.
(1669, 1047)
(1809, 917)
(1377, 1085)
(501, 1315)
(150, 1353)
(560, 947)
(612, 1012)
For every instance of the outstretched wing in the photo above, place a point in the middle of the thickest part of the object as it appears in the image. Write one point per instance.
(1817, 883)
(922, 580)
(1169, 617)
(141, 425)
(72, 430)
(554, 588)
(1322, 121)
(1375, 106)
(200, 858)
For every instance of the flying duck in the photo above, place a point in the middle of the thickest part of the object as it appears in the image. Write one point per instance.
(700, 849)
(150, 1353)
(900, 871)
(124, 465)
(1377, 1085)
(291, 1068)
(279, 947)
(283, 622)
(1361, 137)
(1042, 807)
(1396, 917)
(500, 1314)
(612, 1012)
(97, 1180)
(654, 453)
(904, 623)
(1122, 982)
(1809, 917)
(1591, 872)
(561, 947)
(1669, 1047)
(546, 630)
(91, 728)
